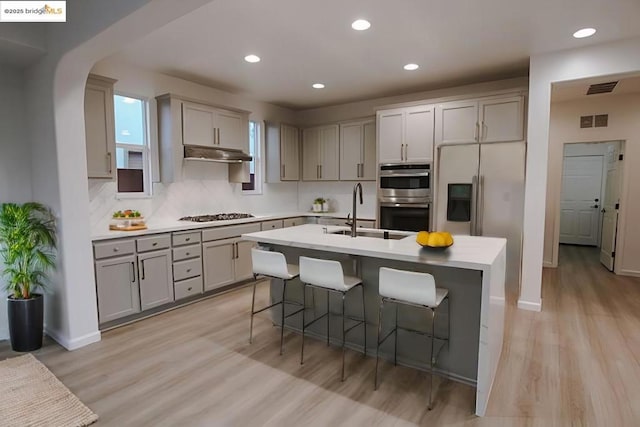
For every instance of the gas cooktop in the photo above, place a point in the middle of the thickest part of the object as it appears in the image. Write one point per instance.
(216, 217)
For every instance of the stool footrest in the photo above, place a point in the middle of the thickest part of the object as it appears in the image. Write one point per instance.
(278, 303)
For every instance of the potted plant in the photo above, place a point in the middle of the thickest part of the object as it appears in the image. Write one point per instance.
(27, 242)
(318, 204)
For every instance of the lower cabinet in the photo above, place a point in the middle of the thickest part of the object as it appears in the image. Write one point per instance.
(226, 261)
(117, 288)
(156, 281)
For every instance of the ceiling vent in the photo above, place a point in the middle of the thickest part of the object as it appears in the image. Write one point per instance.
(601, 88)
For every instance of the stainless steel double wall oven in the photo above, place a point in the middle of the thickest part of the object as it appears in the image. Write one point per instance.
(404, 196)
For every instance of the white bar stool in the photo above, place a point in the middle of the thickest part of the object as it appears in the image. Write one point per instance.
(272, 265)
(414, 289)
(328, 275)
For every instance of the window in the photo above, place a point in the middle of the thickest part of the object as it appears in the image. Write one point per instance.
(132, 145)
(254, 186)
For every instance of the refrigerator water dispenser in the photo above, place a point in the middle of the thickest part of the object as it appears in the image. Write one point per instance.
(459, 202)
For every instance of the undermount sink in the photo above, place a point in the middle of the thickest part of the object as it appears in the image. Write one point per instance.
(369, 233)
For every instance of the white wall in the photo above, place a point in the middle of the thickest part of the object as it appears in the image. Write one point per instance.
(206, 188)
(624, 124)
(55, 96)
(15, 154)
(592, 61)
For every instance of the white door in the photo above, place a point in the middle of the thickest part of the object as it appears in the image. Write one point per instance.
(457, 164)
(418, 134)
(198, 125)
(580, 200)
(501, 119)
(501, 200)
(390, 137)
(232, 130)
(311, 154)
(350, 151)
(456, 122)
(610, 209)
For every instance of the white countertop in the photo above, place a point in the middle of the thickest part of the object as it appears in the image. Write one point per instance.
(471, 252)
(154, 227)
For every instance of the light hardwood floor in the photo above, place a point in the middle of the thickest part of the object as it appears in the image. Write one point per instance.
(574, 364)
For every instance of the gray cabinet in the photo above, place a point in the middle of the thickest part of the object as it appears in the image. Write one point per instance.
(214, 127)
(292, 222)
(127, 281)
(494, 119)
(156, 283)
(406, 134)
(321, 154)
(117, 288)
(358, 151)
(289, 153)
(218, 260)
(99, 127)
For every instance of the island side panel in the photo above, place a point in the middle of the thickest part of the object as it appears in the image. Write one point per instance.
(459, 360)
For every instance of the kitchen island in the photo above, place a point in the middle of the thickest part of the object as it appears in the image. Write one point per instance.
(473, 270)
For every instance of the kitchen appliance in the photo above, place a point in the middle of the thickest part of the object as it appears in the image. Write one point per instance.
(215, 154)
(216, 217)
(480, 192)
(404, 196)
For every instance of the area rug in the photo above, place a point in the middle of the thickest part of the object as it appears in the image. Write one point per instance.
(30, 395)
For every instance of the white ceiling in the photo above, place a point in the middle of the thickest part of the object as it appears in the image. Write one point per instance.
(303, 42)
(567, 91)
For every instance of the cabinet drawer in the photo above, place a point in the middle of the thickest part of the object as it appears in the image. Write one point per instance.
(186, 269)
(153, 243)
(180, 239)
(117, 248)
(272, 225)
(189, 287)
(292, 222)
(228, 232)
(186, 252)
(365, 223)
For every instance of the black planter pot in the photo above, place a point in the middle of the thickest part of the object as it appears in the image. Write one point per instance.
(26, 322)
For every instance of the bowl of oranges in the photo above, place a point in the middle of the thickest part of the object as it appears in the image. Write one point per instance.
(435, 240)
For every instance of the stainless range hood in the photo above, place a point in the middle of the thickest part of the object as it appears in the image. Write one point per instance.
(211, 154)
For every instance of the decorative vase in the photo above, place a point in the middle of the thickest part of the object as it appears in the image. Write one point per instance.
(26, 322)
(317, 207)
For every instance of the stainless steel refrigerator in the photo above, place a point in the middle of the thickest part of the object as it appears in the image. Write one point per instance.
(480, 192)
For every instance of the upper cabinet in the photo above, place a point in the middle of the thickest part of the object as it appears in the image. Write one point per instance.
(99, 127)
(405, 134)
(183, 121)
(214, 127)
(496, 119)
(320, 153)
(289, 153)
(358, 151)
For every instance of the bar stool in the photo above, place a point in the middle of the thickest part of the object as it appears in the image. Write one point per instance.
(414, 289)
(272, 265)
(328, 275)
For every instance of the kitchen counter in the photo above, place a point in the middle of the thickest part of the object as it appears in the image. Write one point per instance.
(176, 225)
(473, 270)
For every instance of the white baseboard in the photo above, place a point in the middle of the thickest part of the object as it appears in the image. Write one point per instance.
(530, 306)
(75, 343)
(631, 273)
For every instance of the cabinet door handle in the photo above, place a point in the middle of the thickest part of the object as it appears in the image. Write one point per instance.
(406, 151)
(401, 152)
(142, 268)
(215, 136)
(190, 288)
(283, 174)
(187, 239)
(133, 272)
(218, 136)
(483, 136)
(476, 131)
(109, 162)
(320, 171)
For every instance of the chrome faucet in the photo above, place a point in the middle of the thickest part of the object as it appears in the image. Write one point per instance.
(355, 216)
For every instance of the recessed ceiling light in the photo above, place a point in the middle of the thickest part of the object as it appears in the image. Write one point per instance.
(318, 86)
(411, 67)
(585, 32)
(360, 24)
(252, 58)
